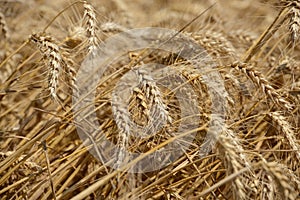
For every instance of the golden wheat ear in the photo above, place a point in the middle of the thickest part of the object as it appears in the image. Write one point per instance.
(293, 14)
(50, 50)
(70, 70)
(109, 27)
(234, 158)
(264, 85)
(281, 180)
(3, 25)
(91, 26)
(286, 129)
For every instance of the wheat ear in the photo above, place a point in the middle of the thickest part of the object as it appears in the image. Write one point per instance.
(123, 122)
(50, 50)
(285, 127)
(154, 96)
(4, 27)
(91, 23)
(139, 102)
(294, 19)
(215, 43)
(112, 27)
(265, 86)
(235, 160)
(242, 36)
(70, 70)
(282, 181)
(123, 11)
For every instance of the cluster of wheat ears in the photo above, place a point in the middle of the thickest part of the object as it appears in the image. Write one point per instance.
(254, 46)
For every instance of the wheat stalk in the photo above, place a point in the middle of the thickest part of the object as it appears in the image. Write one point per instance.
(27, 164)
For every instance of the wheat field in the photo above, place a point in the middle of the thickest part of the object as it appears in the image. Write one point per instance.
(252, 46)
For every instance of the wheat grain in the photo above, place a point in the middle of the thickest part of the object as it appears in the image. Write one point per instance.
(139, 102)
(295, 23)
(265, 86)
(51, 51)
